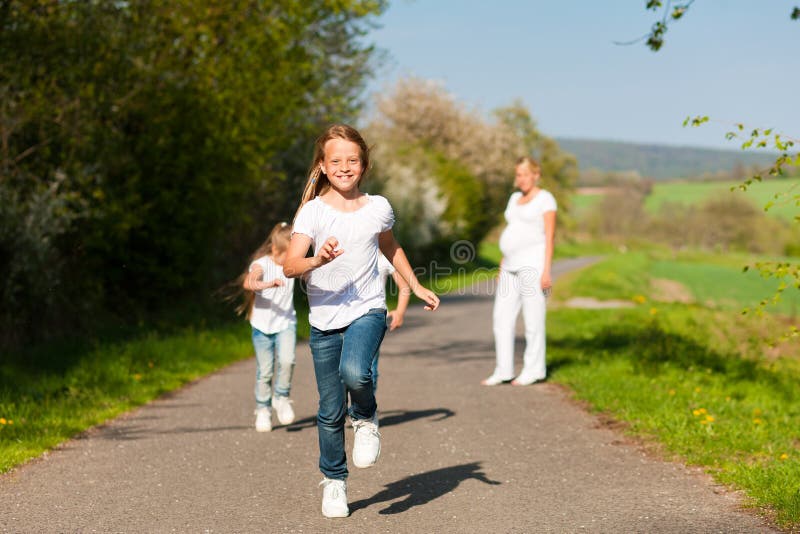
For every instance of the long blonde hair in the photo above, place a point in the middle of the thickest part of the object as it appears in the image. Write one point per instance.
(318, 183)
(279, 237)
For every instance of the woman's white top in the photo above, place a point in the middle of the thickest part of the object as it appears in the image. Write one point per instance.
(523, 239)
(273, 308)
(343, 290)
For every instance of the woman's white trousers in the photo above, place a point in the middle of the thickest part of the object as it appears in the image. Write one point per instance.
(517, 291)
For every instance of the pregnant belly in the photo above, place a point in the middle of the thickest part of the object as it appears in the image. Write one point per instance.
(514, 240)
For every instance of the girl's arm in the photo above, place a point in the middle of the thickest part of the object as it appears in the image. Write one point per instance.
(296, 264)
(253, 282)
(404, 295)
(549, 239)
(391, 249)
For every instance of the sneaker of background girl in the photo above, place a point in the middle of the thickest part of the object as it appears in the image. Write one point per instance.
(283, 409)
(263, 420)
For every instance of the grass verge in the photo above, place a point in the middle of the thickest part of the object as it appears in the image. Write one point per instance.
(699, 380)
(43, 402)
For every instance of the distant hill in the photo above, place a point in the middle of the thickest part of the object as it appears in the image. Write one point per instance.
(660, 162)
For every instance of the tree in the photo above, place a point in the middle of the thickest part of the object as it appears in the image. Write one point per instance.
(449, 170)
(671, 12)
(137, 137)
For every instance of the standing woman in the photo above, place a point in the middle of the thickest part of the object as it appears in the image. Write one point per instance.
(525, 277)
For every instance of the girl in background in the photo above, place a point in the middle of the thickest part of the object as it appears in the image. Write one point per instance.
(269, 305)
(395, 317)
(525, 279)
(348, 230)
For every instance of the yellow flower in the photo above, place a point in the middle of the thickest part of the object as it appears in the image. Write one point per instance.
(784, 456)
(710, 418)
(757, 421)
(137, 376)
(757, 412)
(703, 410)
(2, 420)
(653, 311)
(697, 390)
(703, 422)
(696, 412)
(672, 392)
(727, 398)
(640, 299)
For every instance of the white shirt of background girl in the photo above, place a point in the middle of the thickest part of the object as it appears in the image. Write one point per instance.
(273, 309)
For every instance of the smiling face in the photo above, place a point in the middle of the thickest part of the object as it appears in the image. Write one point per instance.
(342, 164)
(525, 179)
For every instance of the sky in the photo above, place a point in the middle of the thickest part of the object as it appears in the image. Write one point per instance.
(733, 60)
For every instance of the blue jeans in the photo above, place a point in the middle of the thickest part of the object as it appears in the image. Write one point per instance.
(343, 364)
(270, 349)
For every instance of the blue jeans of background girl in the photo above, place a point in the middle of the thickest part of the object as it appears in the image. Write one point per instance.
(343, 364)
(274, 355)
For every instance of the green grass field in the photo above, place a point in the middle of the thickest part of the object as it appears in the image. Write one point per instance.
(695, 192)
(582, 203)
(688, 193)
(713, 281)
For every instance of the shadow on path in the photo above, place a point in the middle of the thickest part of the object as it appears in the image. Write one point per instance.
(455, 350)
(388, 418)
(423, 488)
(396, 417)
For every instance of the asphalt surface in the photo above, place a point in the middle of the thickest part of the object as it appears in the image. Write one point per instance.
(456, 457)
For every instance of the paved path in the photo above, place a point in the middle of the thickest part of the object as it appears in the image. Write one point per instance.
(457, 457)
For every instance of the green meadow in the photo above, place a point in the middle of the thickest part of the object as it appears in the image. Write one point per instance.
(760, 193)
(685, 193)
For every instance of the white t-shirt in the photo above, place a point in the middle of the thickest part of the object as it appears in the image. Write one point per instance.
(273, 309)
(343, 290)
(522, 242)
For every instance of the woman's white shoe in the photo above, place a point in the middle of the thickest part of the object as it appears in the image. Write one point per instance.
(493, 380)
(525, 380)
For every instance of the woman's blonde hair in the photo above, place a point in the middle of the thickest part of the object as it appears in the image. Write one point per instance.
(318, 183)
(532, 164)
(279, 237)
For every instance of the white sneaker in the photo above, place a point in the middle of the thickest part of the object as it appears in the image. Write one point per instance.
(283, 409)
(263, 419)
(366, 442)
(334, 498)
(525, 380)
(494, 380)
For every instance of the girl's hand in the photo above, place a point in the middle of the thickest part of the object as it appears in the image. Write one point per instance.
(262, 284)
(253, 282)
(396, 319)
(427, 296)
(328, 252)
